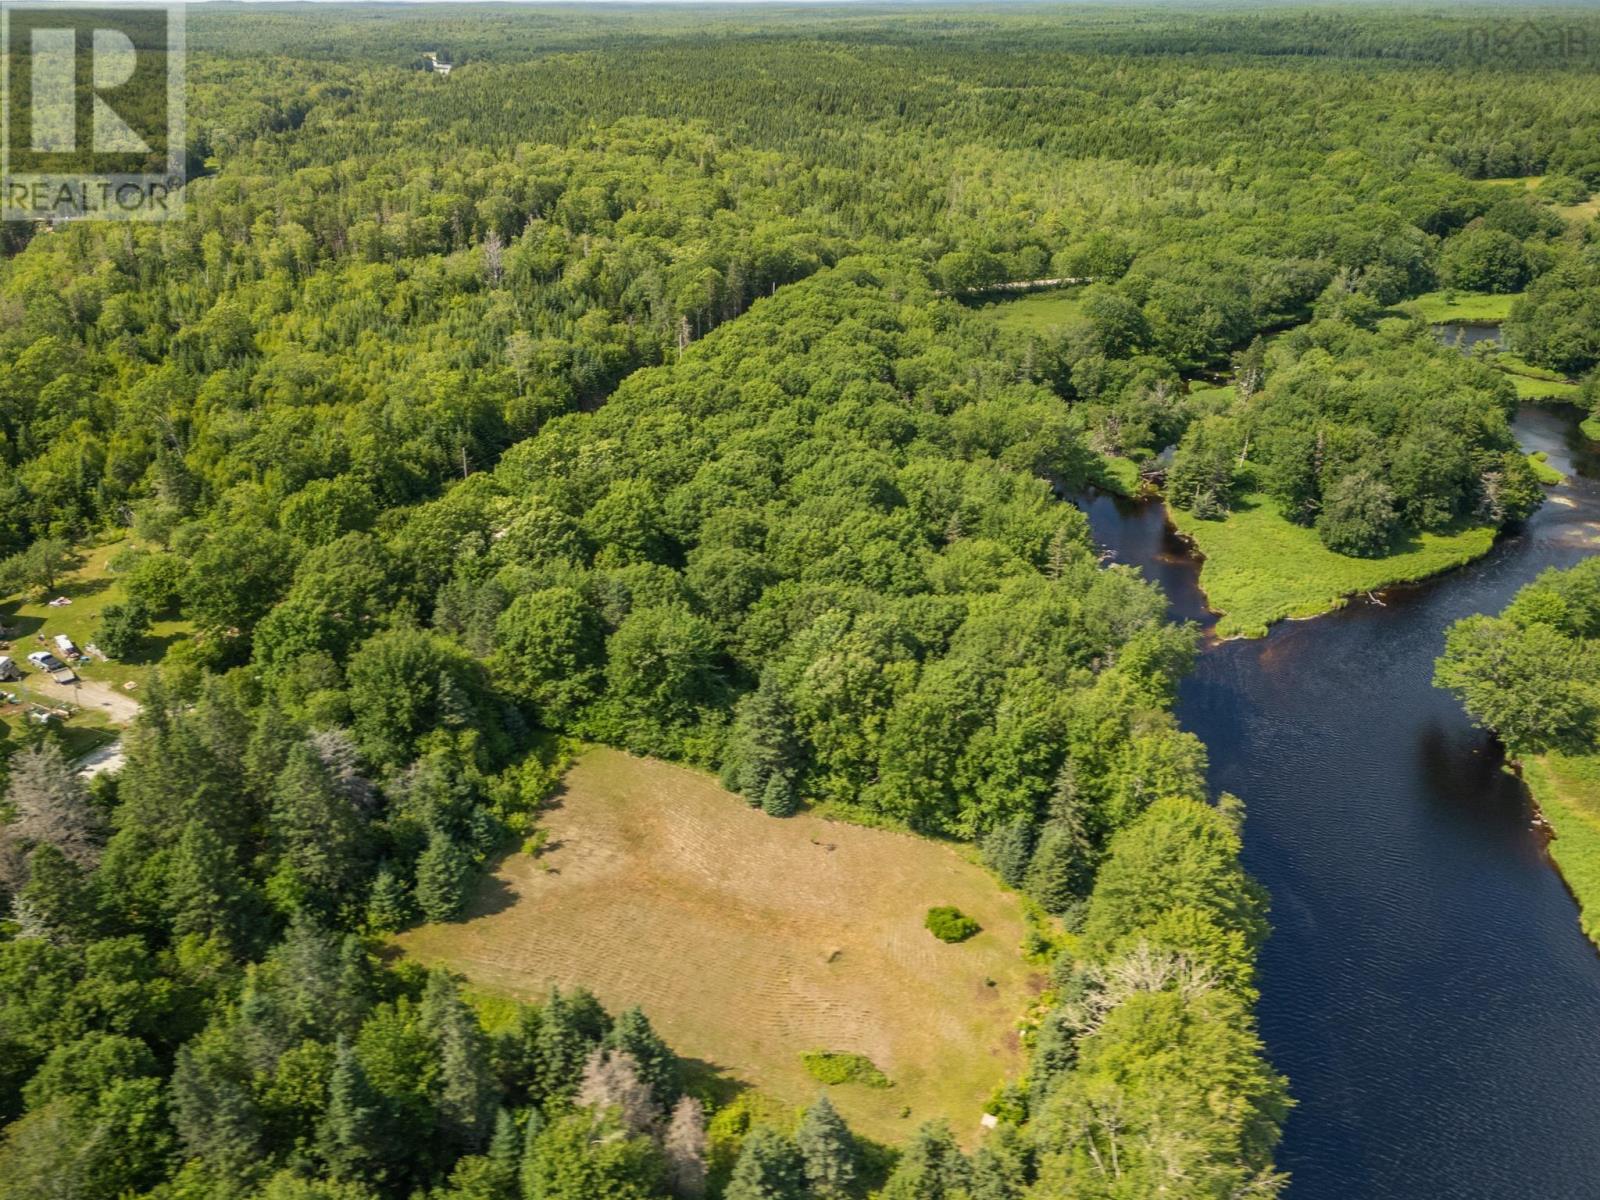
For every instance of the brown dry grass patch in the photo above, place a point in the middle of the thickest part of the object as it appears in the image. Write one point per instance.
(749, 940)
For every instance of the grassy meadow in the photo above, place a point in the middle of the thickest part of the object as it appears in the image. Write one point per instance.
(1261, 568)
(1467, 308)
(1035, 312)
(752, 942)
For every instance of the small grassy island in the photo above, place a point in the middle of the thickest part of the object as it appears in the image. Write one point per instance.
(1261, 568)
(1346, 460)
(1528, 675)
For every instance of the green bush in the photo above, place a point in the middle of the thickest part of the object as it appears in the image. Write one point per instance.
(829, 1067)
(950, 924)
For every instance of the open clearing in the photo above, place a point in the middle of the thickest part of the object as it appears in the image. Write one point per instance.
(101, 701)
(1465, 307)
(749, 940)
(1037, 312)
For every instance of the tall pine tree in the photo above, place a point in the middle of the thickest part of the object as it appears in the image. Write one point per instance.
(828, 1151)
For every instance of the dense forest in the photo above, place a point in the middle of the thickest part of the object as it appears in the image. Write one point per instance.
(624, 385)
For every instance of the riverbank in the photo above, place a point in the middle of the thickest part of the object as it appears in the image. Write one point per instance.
(1260, 568)
(1567, 790)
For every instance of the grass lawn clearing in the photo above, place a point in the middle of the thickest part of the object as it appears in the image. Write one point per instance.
(1036, 312)
(1469, 308)
(752, 941)
(1260, 567)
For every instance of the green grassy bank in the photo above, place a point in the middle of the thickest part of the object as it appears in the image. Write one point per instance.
(1260, 567)
(1567, 790)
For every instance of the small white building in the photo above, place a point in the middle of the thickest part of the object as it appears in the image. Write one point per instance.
(8, 668)
(65, 647)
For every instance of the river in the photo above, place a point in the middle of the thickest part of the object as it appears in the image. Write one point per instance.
(1426, 987)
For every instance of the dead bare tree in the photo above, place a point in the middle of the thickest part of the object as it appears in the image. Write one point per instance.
(48, 806)
(611, 1083)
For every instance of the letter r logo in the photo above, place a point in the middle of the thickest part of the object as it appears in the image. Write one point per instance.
(92, 101)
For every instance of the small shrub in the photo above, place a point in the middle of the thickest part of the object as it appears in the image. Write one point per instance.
(826, 1067)
(950, 924)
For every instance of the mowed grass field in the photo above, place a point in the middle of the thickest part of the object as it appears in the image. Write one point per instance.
(750, 940)
(1260, 567)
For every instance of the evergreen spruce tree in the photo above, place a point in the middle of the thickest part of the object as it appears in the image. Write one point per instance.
(389, 907)
(778, 797)
(463, 1091)
(348, 1134)
(568, 1033)
(318, 837)
(932, 1168)
(1003, 1166)
(764, 756)
(827, 1150)
(1008, 849)
(204, 886)
(1061, 868)
(58, 897)
(505, 1154)
(769, 1168)
(443, 870)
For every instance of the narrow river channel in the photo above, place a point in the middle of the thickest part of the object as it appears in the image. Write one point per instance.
(1426, 987)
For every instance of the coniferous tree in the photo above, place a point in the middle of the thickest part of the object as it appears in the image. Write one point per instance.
(570, 1027)
(1003, 1166)
(463, 1091)
(58, 897)
(319, 837)
(828, 1151)
(505, 1154)
(348, 1134)
(769, 1167)
(1061, 867)
(205, 894)
(389, 908)
(443, 871)
(763, 760)
(1007, 850)
(932, 1167)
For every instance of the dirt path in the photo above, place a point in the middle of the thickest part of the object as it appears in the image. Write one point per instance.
(119, 706)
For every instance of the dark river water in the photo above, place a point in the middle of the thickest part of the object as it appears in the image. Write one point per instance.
(1426, 987)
